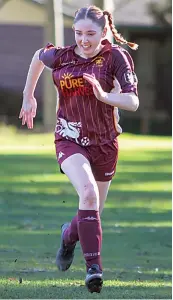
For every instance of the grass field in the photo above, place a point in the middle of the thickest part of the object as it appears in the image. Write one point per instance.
(35, 199)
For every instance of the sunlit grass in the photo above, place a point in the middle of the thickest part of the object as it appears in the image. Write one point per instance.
(73, 282)
(35, 199)
(70, 287)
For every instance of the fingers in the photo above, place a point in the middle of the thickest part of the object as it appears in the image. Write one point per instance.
(93, 81)
(28, 112)
(34, 112)
(29, 121)
(90, 79)
(21, 113)
(23, 118)
(27, 118)
(89, 75)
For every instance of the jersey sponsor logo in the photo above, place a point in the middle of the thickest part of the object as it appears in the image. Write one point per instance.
(99, 61)
(68, 129)
(69, 82)
(74, 86)
(130, 77)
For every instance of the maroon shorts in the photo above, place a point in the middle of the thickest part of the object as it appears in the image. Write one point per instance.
(103, 158)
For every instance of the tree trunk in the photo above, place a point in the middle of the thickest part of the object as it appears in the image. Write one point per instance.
(54, 32)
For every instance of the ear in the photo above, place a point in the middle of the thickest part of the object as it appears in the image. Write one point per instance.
(73, 28)
(104, 32)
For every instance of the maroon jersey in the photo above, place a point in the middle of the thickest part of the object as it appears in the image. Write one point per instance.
(81, 117)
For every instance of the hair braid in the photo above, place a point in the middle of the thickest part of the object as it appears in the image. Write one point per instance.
(76, 12)
(118, 37)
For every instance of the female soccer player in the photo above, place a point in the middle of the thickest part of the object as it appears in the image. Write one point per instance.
(93, 79)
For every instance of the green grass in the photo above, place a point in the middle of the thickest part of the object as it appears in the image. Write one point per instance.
(35, 199)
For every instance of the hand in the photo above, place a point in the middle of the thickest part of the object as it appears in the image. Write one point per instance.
(28, 111)
(97, 89)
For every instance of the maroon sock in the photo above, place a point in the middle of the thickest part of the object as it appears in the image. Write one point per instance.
(90, 236)
(71, 233)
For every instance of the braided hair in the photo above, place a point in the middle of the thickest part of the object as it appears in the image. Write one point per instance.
(98, 16)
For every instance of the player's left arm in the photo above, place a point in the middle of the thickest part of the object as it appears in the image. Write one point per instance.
(126, 101)
(124, 73)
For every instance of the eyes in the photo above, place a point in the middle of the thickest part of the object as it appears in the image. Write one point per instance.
(80, 34)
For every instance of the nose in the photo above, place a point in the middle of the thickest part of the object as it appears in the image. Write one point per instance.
(84, 40)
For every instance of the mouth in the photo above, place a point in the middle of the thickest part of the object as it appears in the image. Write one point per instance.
(85, 47)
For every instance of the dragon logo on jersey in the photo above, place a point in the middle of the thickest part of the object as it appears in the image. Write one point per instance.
(68, 129)
(99, 61)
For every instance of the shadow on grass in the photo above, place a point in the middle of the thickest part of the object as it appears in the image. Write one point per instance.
(31, 213)
(37, 207)
(36, 164)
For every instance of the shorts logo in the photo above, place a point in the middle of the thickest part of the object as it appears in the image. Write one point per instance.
(60, 155)
(130, 77)
(90, 218)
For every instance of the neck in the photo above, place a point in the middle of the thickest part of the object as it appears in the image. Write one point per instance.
(77, 50)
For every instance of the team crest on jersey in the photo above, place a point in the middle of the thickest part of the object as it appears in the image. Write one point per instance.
(99, 61)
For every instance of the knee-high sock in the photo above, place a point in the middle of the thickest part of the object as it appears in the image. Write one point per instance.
(90, 236)
(71, 233)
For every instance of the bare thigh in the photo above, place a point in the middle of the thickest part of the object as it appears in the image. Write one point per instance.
(103, 187)
(78, 170)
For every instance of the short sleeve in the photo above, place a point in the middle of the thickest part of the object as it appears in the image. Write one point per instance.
(50, 56)
(123, 69)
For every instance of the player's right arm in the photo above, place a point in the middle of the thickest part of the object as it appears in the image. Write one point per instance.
(42, 57)
(29, 105)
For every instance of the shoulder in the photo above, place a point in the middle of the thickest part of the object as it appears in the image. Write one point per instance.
(52, 56)
(59, 50)
(121, 55)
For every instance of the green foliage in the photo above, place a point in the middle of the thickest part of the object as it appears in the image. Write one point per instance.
(162, 12)
(35, 199)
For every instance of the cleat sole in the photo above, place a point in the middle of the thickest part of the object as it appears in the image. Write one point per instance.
(95, 285)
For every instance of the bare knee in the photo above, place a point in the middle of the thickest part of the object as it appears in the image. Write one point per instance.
(89, 197)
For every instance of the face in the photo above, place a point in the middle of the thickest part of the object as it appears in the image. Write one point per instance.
(88, 36)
